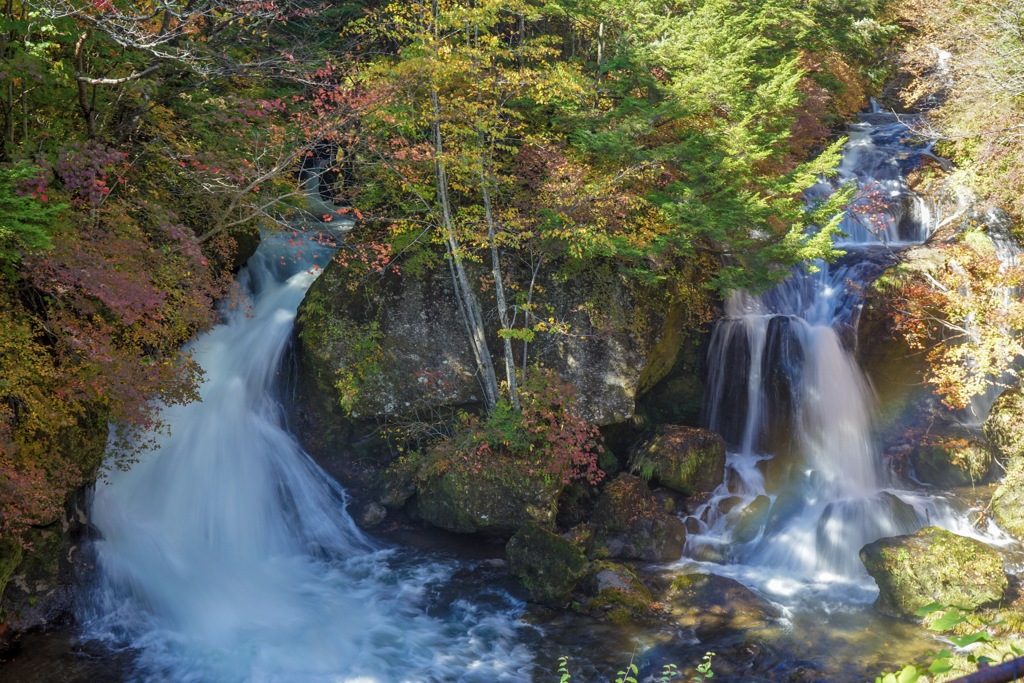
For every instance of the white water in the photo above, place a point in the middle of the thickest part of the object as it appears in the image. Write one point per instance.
(227, 555)
(805, 488)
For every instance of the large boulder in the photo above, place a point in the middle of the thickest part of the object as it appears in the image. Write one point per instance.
(548, 565)
(396, 343)
(629, 523)
(1008, 501)
(1004, 427)
(615, 592)
(494, 499)
(689, 460)
(933, 565)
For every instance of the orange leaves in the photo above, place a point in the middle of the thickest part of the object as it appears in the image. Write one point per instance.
(964, 315)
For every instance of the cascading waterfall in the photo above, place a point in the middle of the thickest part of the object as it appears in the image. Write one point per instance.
(805, 489)
(226, 554)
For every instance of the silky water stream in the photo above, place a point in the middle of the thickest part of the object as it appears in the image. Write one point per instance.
(226, 554)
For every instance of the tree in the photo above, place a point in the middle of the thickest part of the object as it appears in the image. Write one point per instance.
(964, 315)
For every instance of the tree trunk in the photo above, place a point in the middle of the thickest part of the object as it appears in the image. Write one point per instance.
(499, 288)
(468, 303)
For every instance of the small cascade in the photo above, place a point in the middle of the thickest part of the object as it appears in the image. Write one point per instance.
(805, 488)
(878, 154)
(226, 555)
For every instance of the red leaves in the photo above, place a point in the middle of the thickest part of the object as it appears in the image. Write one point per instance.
(546, 433)
(83, 169)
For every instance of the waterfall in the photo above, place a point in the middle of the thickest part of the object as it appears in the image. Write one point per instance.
(226, 555)
(805, 489)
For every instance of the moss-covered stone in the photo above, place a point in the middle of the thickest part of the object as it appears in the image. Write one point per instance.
(40, 592)
(1008, 501)
(10, 558)
(615, 591)
(548, 565)
(686, 459)
(951, 461)
(1004, 427)
(750, 519)
(496, 498)
(630, 523)
(933, 565)
(712, 604)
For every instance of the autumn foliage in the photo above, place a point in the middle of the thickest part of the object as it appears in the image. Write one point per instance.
(966, 315)
(546, 435)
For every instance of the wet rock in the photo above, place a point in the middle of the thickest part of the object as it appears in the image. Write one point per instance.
(712, 604)
(1004, 427)
(687, 459)
(751, 519)
(493, 500)
(373, 515)
(548, 565)
(933, 565)
(1008, 501)
(40, 590)
(629, 523)
(617, 593)
(951, 461)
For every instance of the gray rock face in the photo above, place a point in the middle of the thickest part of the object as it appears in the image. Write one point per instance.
(933, 565)
(394, 343)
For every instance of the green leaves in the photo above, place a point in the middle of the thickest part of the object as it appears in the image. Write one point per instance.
(27, 213)
(908, 674)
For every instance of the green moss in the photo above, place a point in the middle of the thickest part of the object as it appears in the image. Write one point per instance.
(952, 462)
(1004, 427)
(494, 497)
(934, 565)
(685, 459)
(10, 558)
(548, 565)
(685, 581)
(351, 349)
(978, 241)
(620, 616)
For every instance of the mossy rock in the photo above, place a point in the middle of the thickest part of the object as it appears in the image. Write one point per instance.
(630, 523)
(712, 604)
(10, 558)
(951, 461)
(686, 459)
(1008, 502)
(933, 565)
(495, 498)
(40, 592)
(548, 565)
(616, 592)
(750, 519)
(1004, 427)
